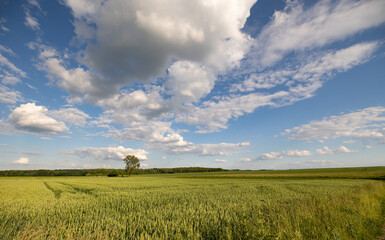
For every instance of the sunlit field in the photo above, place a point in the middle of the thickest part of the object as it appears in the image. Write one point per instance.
(190, 206)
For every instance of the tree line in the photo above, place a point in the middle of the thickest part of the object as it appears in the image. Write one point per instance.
(105, 172)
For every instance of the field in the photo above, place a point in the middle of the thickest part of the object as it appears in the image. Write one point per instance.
(231, 205)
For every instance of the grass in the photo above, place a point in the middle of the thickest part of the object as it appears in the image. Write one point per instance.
(199, 206)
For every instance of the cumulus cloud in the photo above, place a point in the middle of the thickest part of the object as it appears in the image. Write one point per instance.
(367, 123)
(296, 28)
(189, 82)
(34, 119)
(22, 160)
(131, 108)
(148, 35)
(286, 153)
(339, 150)
(108, 153)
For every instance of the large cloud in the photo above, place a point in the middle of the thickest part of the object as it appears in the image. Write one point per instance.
(36, 119)
(147, 35)
(31, 118)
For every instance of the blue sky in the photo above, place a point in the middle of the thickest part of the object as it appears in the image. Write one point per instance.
(232, 84)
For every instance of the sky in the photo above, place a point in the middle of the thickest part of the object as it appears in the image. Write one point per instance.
(236, 84)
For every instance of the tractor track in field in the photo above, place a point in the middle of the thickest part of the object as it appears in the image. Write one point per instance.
(56, 192)
(78, 189)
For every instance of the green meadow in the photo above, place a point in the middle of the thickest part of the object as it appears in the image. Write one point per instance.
(291, 204)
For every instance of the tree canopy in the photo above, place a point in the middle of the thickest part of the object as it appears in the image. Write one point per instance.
(132, 163)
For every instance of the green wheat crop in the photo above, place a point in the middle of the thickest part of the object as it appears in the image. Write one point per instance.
(169, 207)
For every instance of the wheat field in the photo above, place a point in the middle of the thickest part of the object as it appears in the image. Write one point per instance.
(180, 207)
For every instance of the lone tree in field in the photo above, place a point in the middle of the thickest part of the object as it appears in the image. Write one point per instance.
(132, 163)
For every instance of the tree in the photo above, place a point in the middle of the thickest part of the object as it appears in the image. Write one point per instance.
(132, 163)
(113, 173)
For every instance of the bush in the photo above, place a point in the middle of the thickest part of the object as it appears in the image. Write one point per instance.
(113, 173)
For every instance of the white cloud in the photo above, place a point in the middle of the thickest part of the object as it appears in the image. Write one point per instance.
(286, 153)
(31, 22)
(219, 149)
(367, 124)
(108, 153)
(220, 160)
(296, 153)
(76, 81)
(2, 27)
(46, 138)
(11, 80)
(6, 63)
(213, 115)
(296, 28)
(34, 119)
(34, 3)
(269, 156)
(245, 160)
(130, 108)
(71, 115)
(339, 150)
(9, 96)
(304, 79)
(368, 147)
(189, 82)
(22, 160)
(315, 164)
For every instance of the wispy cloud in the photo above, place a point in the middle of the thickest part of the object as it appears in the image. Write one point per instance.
(297, 29)
(367, 123)
(10, 96)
